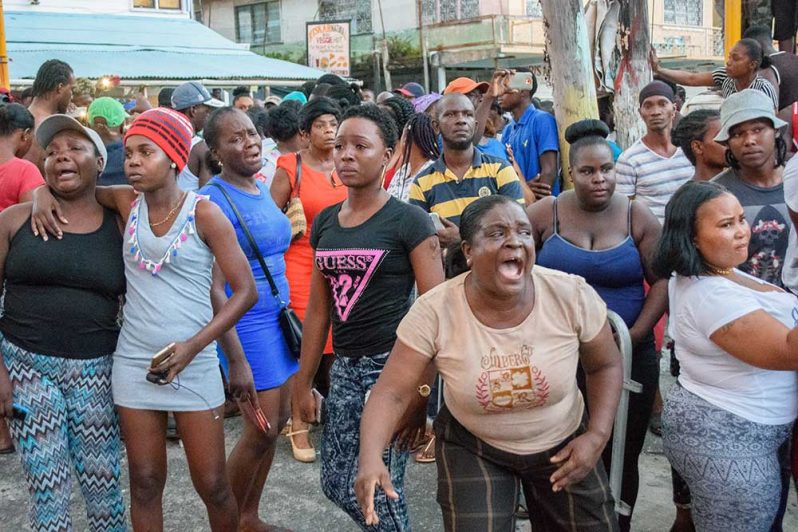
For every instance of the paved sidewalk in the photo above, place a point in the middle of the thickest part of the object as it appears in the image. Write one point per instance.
(293, 498)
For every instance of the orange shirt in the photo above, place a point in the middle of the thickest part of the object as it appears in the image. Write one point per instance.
(317, 192)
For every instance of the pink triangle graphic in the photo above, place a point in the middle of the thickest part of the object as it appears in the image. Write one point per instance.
(349, 272)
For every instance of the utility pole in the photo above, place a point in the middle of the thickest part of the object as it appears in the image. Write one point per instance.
(386, 59)
(634, 71)
(571, 71)
(732, 24)
(4, 81)
(422, 44)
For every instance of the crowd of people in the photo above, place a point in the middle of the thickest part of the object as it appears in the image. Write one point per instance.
(158, 262)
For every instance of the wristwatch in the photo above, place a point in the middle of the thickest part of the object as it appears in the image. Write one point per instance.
(424, 390)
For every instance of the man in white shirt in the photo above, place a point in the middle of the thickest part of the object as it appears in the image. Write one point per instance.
(652, 169)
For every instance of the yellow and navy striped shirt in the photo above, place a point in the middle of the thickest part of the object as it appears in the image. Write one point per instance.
(438, 189)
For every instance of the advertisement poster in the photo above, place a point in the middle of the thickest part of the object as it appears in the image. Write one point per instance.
(328, 46)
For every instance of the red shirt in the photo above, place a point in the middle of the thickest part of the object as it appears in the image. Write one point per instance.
(17, 176)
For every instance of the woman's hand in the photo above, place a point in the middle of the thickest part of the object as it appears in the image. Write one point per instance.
(6, 394)
(369, 477)
(304, 399)
(412, 426)
(240, 383)
(653, 60)
(576, 459)
(182, 355)
(636, 335)
(42, 220)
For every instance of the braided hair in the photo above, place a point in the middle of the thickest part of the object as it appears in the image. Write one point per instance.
(401, 110)
(50, 75)
(693, 127)
(419, 132)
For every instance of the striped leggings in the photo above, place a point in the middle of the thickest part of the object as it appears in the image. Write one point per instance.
(730, 464)
(71, 426)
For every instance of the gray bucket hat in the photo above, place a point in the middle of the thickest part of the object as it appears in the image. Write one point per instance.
(748, 104)
(54, 124)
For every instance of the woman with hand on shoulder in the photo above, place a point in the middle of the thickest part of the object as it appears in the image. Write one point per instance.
(506, 338)
(736, 339)
(318, 188)
(369, 251)
(173, 238)
(59, 329)
(609, 240)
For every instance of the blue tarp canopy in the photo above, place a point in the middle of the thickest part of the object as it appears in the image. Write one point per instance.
(137, 47)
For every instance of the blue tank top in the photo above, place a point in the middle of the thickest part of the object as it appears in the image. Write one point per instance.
(615, 273)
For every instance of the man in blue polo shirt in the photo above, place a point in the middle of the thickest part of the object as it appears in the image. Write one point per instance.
(532, 137)
(462, 174)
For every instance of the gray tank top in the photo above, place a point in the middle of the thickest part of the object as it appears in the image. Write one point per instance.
(168, 283)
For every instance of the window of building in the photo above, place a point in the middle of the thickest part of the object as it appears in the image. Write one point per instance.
(358, 11)
(258, 23)
(157, 4)
(434, 11)
(684, 12)
(533, 9)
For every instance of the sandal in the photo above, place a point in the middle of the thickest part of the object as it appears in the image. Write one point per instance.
(301, 455)
(8, 450)
(427, 454)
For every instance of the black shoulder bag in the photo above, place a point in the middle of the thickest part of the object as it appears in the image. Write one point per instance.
(289, 321)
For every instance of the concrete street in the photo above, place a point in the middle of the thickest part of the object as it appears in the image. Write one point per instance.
(293, 498)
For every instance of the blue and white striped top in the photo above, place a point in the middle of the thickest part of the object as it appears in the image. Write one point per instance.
(650, 177)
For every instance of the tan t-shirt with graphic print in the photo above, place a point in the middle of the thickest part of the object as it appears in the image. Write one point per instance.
(513, 388)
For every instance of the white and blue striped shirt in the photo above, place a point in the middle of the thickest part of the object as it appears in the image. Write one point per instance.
(650, 177)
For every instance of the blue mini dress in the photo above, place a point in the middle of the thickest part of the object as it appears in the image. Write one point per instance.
(259, 329)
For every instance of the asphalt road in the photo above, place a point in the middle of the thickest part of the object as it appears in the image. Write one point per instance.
(293, 498)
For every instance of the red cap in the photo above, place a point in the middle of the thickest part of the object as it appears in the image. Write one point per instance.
(170, 130)
(465, 85)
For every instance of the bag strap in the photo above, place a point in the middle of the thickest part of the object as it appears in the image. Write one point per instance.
(252, 243)
(298, 177)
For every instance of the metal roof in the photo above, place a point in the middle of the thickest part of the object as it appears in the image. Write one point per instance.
(136, 47)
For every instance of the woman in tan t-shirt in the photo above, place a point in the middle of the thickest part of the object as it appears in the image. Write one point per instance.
(506, 338)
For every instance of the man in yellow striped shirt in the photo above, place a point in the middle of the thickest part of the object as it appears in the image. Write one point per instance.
(462, 174)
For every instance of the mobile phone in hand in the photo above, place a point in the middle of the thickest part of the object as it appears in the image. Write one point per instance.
(522, 81)
(161, 356)
(436, 220)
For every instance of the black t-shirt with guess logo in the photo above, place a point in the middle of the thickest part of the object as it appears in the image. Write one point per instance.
(369, 273)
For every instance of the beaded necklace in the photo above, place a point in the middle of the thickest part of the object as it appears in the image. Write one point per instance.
(145, 263)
